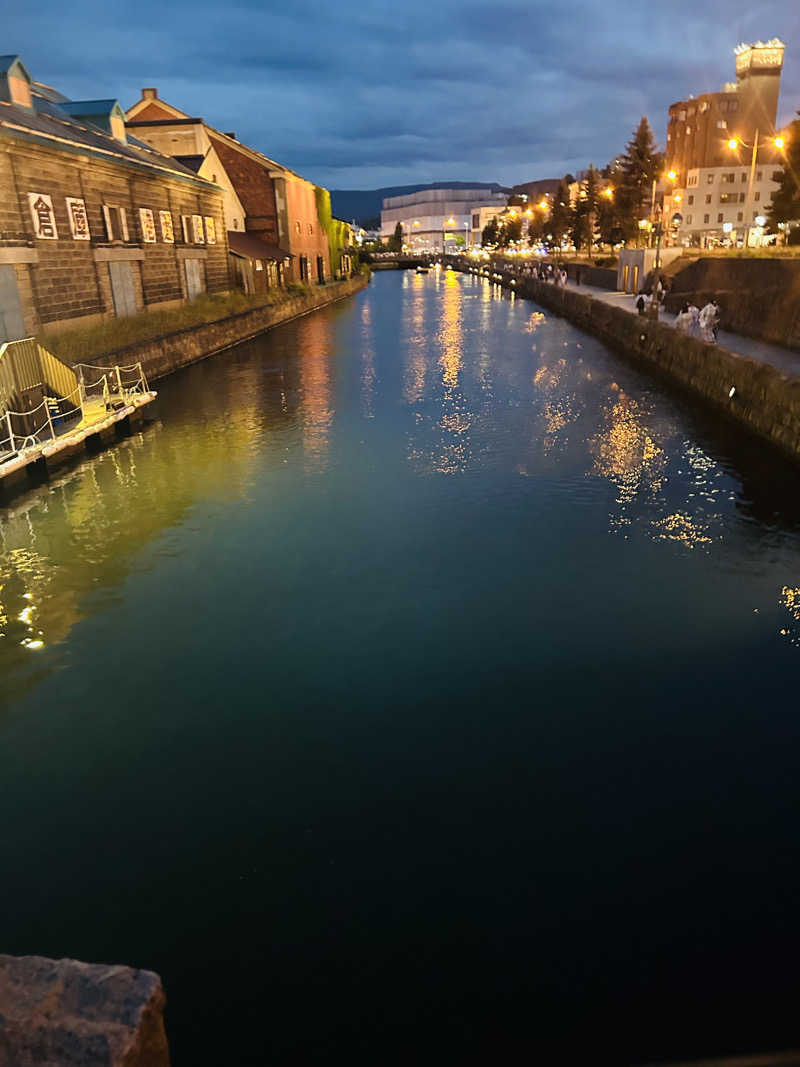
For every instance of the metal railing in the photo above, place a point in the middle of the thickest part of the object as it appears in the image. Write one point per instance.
(85, 394)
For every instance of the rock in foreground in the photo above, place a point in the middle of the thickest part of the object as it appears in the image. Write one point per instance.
(62, 1013)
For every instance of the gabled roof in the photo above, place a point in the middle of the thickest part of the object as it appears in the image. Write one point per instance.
(151, 107)
(50, 124)
(13, 65)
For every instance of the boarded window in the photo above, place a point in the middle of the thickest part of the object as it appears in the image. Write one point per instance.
(12, 325)
(195, 279)
(121, 275)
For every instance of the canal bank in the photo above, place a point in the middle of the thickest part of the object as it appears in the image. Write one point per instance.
(160, 356)
(755, 394)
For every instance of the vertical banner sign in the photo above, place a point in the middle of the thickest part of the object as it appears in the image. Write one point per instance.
(44, 220)
(197, 229)
(211, 233)
(78, 218)
(148, 225)
(167, 232)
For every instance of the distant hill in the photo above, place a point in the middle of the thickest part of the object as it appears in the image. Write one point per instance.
(364, 205)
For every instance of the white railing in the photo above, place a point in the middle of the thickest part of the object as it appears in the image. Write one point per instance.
(95, 391)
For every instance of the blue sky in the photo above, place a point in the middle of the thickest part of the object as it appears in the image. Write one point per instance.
(359, 94)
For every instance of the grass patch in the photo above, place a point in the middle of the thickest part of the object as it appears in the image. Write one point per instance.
(79, 344)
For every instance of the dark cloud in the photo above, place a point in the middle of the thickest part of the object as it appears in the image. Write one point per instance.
(359, 93)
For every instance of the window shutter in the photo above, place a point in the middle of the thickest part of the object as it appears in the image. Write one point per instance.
(123, 222)
(107, 220)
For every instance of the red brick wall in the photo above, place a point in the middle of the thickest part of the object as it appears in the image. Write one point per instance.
(254, 188)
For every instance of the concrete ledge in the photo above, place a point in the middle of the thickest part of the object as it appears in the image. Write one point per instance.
(191, 253)
(117, 255)
(19, 254)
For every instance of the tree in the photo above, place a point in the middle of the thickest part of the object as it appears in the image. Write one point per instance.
(561, 214)
(785, 206)
(584, 213)
(395, 243)
(640, 166)
(489, 234)
(510, 230)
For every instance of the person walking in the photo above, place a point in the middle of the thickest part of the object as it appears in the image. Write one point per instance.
(694, 322)
(640, 304)
(707, 318)
(715, 321)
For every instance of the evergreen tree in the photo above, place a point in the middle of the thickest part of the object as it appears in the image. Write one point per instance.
(640, 166)
(395, 243)
(585, 211)
(785, 206)
(561, 214)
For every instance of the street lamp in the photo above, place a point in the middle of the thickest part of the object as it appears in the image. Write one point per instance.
(733, 144)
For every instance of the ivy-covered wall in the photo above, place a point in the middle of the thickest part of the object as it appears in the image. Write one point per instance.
(334, 229)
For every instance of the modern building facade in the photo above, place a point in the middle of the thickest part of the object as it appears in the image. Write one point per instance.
(274, 231)
(93, 223)
(435, 220)
(714, 187)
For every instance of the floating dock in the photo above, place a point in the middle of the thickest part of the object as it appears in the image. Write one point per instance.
(79, 409)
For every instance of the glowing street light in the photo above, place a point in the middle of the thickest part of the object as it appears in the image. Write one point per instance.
(608, 193)
(734, 143)
(672, 175)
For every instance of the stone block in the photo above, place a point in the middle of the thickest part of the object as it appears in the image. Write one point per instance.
(63, 1013)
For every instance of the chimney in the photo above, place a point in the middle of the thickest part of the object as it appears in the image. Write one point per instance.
(231, 134)
(149, 94)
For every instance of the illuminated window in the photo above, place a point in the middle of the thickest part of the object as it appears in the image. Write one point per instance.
(298, 227)
(710, 179)
(705, 218)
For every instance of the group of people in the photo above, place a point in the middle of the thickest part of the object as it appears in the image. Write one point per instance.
(547, 272)
(703, 323)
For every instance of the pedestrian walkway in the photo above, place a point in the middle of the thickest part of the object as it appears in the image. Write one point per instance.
(783, 359)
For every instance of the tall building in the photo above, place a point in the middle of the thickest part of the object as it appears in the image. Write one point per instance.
(437, 219)
(708, 182)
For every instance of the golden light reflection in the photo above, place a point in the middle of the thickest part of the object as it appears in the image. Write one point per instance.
(626, 453)
(790, 599)
(315, 353)
(451, 333)
(681, 527)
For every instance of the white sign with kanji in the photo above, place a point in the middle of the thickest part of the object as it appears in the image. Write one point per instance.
(44, 219)
(78, 218)
(147, 222)
(167, 231)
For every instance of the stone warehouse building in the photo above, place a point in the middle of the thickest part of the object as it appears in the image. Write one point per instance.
(92, 222)
(274, 230)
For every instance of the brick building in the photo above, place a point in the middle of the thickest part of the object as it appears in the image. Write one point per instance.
(93, 223)
(715, 189)
(274, 231)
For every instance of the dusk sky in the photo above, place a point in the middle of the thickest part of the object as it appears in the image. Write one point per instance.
(359, 94)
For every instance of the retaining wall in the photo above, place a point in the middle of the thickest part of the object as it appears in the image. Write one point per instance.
(163, 355)
(765, 400)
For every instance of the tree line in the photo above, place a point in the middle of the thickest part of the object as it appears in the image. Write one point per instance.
(607, 210)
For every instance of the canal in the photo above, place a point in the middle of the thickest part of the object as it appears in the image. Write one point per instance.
(424, 682)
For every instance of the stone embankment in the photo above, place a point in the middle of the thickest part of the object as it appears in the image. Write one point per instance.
(163, 355)
(71, 1014)
(755, 394)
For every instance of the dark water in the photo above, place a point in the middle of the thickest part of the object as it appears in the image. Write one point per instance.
(423, 687)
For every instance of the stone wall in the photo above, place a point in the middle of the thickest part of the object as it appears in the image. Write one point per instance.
(69, 279)
(71, 1014)
(757, 297)
(764, 399)
(163, 355)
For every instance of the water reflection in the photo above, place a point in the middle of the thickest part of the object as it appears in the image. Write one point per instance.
(315, 356)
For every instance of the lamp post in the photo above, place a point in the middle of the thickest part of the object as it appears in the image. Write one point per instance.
(446, 222)
(733, 144)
